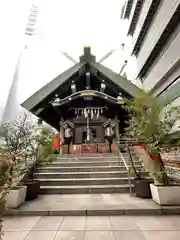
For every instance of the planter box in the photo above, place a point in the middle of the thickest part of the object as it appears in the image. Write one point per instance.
(142, 188)
(16, 197)
(166, 195)
(33, 189)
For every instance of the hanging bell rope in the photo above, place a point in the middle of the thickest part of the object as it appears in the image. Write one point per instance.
(90, 111)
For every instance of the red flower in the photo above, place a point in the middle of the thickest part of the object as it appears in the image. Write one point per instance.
(154, 157)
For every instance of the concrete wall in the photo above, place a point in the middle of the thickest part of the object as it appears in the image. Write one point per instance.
(141, 19)
(169, 59)
(156, 29)
(166, 67)
(168, 79)
(132, 11)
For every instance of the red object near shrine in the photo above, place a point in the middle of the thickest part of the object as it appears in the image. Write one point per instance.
(154, 157)
(56, 143)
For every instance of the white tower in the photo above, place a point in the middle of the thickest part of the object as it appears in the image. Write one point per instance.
(12, 107)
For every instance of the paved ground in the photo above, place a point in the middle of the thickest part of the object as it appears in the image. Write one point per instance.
(82, 201)
(90, 204)
(92, 228)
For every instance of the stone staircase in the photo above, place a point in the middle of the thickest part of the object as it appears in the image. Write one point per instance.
(90, 173)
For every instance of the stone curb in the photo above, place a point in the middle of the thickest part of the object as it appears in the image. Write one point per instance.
(98, 212)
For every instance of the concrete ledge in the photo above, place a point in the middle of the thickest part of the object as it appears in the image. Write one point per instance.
(143, 212)
(171, 210)
(105, 212)
(26, 213)
(97, 212)
(75, 212)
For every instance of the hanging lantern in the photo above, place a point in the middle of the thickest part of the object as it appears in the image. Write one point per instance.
(77, 112)
(92, 114)
(103, 86)
(85, 113)
(97, 116)
(73, 87)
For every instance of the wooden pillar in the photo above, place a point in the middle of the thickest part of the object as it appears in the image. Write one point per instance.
(61, 132)
(117, 129)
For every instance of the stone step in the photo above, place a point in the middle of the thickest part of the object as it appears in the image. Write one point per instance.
(81, 157)
(83, 181)
(84, 189)
(86, 163)
(84, 168)
(86, 159)
(88, 155)
(55, 175)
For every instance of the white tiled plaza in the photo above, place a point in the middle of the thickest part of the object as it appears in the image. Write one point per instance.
(92, 228)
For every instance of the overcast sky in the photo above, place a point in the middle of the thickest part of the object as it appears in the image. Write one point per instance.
(67, 25)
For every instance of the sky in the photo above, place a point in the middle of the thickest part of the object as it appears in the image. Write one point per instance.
(61, 26)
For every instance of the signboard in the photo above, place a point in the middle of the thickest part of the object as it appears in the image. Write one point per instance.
(87, 93)
(88, 98)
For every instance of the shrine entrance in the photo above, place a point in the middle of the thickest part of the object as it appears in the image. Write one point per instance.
(89, 123)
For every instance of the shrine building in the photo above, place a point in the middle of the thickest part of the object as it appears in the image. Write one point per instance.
(86, 97)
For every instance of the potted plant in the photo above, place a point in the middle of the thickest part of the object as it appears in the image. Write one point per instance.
(141, 184)
(151, 122)
(42, 154)
(16, 135)
(32, 184)
(5, 184)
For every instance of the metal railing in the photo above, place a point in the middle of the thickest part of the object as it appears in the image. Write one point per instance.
(120, 156)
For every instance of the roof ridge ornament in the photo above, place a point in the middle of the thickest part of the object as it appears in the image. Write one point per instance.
(87, 57)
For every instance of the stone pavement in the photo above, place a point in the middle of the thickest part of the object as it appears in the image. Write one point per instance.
(92, 204)
(92, 228)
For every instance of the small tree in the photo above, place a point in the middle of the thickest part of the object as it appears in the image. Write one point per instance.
(40, 147)
(16, 134)
(45, 136)
(18, 140)
(45, 139)
(151, 122)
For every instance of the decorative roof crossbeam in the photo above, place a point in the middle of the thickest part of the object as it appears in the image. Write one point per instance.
(86, 93)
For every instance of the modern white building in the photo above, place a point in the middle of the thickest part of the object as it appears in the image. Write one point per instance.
(152, 46)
